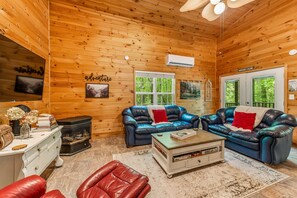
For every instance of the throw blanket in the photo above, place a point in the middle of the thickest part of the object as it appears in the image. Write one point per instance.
(260, 112)
(150, 109)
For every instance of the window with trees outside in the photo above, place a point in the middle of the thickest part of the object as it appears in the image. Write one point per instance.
(154, 88)
(232, 95)
(264, 91)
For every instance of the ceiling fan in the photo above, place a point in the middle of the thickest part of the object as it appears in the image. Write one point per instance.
(213, 8)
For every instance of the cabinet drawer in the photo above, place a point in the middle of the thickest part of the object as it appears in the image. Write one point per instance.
(52, 138)
(197, 161)
(215, 156)
(55, 136)
(54, 149)
(31, 155)
(178, 165)
(33, 168)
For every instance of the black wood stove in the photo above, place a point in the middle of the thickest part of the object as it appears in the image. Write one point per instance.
(76, 134)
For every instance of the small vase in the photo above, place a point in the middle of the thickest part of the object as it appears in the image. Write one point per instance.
(15, 125)
(25, 131)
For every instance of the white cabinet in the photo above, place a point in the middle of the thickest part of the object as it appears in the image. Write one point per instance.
(42, 149)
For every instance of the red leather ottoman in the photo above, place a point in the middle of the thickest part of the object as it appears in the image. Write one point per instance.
(114, 180)
(29, 187)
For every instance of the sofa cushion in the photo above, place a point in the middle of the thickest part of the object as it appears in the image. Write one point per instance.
(252, 145)
(244, 135)
(172, 112)
(269, 117)
(229, 113)
(95, 191)
(114, 180)
(219, 128)
(160, 115)
(246, 139)
(141, 115)
(165, 127)
(244, 120)
(179, 125)
(146, 129)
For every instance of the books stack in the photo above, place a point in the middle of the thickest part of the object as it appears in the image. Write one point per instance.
(183, 134)
(46, 123)
(195, 154)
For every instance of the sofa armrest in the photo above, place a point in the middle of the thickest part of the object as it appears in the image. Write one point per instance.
(128, 120)
(136, 188)
(97, 176)
(32, 186)
(211, 119)
(187, 117)
(278, 131)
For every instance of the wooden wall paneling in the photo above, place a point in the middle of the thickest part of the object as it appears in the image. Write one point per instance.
(85, 41)
(27, 23)
(163, 13)
(262, 39)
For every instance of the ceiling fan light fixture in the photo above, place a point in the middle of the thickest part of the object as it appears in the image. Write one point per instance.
(219, 8)
(214, 2)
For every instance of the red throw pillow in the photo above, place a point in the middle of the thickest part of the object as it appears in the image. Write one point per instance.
(160, 115)
(244, 120)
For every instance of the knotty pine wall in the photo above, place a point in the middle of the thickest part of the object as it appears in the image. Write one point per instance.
(262, 39)
(27, 23)
(85, 41)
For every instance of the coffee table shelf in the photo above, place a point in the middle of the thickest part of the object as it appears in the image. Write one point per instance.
(175, 156)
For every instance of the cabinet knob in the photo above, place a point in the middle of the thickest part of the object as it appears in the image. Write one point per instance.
(54, 137)
(38, 149)
(198, 161)
(36, 168)
(57, 147)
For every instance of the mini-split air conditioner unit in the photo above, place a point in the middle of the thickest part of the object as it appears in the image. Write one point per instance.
(181, 61)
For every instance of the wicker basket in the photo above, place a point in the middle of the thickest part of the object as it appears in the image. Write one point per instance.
(6, 136)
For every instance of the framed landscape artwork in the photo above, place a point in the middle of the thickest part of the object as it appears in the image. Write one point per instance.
(189, 90)
(29, 85)
(95, 90)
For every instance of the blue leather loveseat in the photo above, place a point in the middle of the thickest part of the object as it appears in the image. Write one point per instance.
(269, 142)
(138, 123)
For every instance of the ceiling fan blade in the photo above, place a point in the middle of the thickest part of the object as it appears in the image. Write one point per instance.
(193, 4)
(208, 12)
(238, 3)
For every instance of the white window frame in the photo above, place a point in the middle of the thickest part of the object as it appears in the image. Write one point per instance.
(246, 85)
(155, 94)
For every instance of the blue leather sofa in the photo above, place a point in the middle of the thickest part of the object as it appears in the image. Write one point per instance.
(138, 128)
(270, 142)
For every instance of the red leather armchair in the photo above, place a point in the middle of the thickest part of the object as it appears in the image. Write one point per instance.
(114, 180)
(29, 187)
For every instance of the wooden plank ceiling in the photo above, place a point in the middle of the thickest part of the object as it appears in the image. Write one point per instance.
(166, 13)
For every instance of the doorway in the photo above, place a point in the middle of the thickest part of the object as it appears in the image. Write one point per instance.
(258, 89)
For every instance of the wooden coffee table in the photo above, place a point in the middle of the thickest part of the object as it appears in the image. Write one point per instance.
(176, 156)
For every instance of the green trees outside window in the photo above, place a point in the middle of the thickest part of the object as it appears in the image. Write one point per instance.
(232, 93)
(154, 90)
(263, 92)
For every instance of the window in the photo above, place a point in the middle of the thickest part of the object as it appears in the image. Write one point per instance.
(263, 91)
(232, 93)
(154, 88)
